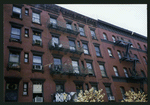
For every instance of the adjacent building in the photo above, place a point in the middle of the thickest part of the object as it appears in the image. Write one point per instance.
(49, 50)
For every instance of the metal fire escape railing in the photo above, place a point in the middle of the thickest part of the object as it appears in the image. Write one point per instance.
(130, 58)
(68, 69)
(64, 46)
(61, 26)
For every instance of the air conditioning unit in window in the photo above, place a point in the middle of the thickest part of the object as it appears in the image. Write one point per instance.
(37, 67)
(38, 99)
(38, 41)
(111, 98)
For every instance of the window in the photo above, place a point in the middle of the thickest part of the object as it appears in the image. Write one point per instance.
(132, 89)
(87, 86)
(78, 44)
(95, 87)
(72, 45)
(16, 12)
(119, 54)
(37, 92)
(143, 74)
(103, 71)
(108, 91)
(53, 21)
(26, 33)
(37, 60)
(113, 38)
(93, 34)
(116, 71)
(78, 88)
(122, 92)
(75, 67)
(68, 25)
(82, 63)
(145, 48)
(145, 60)
(141, 90)
(37, 38)
(25, 88)
(75, 27)
(26, 57)
(125, 72)
(57, 61)
(14, 57)
(55, 41)
(104, 35)
(109, 52)
(90, 69)
(139, 45)
(15, 34)
(85, 46)
(97, 51)
(59, 88)
(26, 12)
(36, 18)
(81, 31)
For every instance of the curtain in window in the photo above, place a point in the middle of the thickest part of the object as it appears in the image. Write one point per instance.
(14, 57)
(16, 9)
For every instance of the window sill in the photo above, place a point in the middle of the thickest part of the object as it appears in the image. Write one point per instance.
(11, 40)
(37, 23)
(16, 17)
(95, 39)
(99, 57)
(33, 70)
(16, 69)
(37, 45)
(112, 57)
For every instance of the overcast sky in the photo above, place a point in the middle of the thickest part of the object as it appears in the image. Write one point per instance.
(132, 17)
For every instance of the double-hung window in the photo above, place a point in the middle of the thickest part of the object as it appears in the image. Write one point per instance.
(139, 45)
(85, 47)
(125, 72)
(26, 12)
(72, 45)
(53, 22)
(60, 88)
(75, 67)
(116, 71)
(93, 34)
(97, 51)
(119, 54)
(90, 68)
(55, 41)
(108, 91)
(68, 26)
(145, 60)
(16, 12)
(114, 39)
(122, 92)
(26, 33)
(57, 64)
(81, 29)
(14, 57)
(37, 60)
(37, 92)
(104, 35)
(25, 88)
(110, 53)
(36, 17)
(37, 38)
(26, 57)
(145, 48)
(15, 33)
(103, 71)
(78, 88)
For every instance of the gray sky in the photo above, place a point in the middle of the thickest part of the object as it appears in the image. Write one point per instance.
(132, 17)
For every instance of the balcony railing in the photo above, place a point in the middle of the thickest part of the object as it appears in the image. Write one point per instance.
(64, 46)
(68, 69)
(61, 26)
(129, 58)
(122, 41)
(14, 65)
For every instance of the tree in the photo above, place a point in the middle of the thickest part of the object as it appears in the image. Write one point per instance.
(90, 96)
(135, 97)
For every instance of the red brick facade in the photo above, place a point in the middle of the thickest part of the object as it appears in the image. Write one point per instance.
(49, 86)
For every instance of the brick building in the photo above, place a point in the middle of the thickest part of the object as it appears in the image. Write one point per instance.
(49, 49)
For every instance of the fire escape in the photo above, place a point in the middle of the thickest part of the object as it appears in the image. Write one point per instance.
(130, 58)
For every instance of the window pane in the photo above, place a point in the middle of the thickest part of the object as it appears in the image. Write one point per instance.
(35, 37)
(14, 57)
(53, 21)
(59, 88)
(96, 49)
(114, 40)
(86, 51)
(37, 59)
(37, 88)
(15, 31)
(75, 66)
(57, 61)
(97, 54)
(16, 9)
(81, 29)
(35, 15)
(55, 40)
(71, 43)
(68, 26)
(85, 46)
(89, 66)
